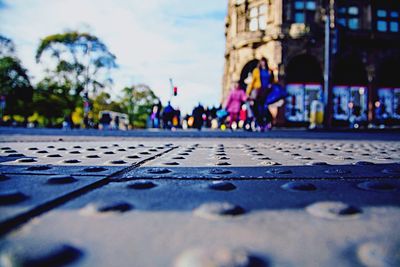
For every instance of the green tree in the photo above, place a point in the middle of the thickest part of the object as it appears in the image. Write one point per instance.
(53, 101)
(79, 60)
(103, 102)
(15, 85)
(7, 47)
(137, 101)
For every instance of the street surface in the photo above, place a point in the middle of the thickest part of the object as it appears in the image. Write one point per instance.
(155, 198)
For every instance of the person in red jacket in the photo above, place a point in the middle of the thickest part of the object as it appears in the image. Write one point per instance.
(234, 102)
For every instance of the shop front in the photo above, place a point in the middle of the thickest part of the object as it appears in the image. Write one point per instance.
(387, 106)
(298, 102)
(350, 105)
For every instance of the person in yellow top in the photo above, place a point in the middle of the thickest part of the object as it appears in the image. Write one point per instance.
(258, 90)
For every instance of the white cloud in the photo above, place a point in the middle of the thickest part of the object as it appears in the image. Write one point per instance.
(153, 40)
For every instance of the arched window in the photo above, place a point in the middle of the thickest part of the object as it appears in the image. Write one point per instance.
(304, 85)
(350, 90)
(245, 75)
(387, 103)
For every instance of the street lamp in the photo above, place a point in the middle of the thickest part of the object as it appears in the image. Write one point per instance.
(86, 103)
(131, 106)
(2, 107)
(329, 25)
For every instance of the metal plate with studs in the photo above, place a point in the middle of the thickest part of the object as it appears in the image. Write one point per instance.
(203, 202)
(276, 159)
(274, 223)
(94, 158)
(22, 196)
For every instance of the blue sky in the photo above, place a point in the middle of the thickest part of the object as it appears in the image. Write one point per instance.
(152, 39)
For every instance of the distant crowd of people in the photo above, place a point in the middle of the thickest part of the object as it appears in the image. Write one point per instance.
(167, 117)
(200, 117)
(245, 108)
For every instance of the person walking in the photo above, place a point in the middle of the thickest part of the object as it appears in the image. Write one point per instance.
(234, 102)
(105, 121)
(167, 115)
(155, 117)
(244, 118)
(197, 114)
(116, 122)
(258, 90)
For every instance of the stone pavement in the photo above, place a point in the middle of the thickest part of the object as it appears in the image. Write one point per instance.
(294, 199)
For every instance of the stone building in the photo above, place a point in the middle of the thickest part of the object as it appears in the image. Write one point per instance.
(365, 55)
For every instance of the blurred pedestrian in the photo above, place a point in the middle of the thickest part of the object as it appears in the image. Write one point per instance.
(155, 117)
(68, 124)
(207, 117)
(176, 121)
(197, 114)
(86, 121)
(167, 116)
(105, 121)
(258, 90)
(222, 115)
(116, 122)
(244, 118)
(234, 102)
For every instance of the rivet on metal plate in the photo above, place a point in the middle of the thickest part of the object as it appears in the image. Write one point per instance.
(215, 210)
(299, 186)
(222, 186)
(61, 179)
(333, 210)
(41, 255)
(12, 197)
(142, 185)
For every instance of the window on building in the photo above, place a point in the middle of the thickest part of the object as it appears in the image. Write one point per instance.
(349, 17)
(258, 19)
(304, 11)
(387, 20)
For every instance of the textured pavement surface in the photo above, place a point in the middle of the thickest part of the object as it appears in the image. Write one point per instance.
(285, 198)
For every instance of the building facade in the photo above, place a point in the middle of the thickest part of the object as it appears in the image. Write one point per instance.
(365, 56)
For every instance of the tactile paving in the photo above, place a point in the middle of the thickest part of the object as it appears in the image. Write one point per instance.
(275, 159)
(204, 202)
(273, 223)
(22, 196)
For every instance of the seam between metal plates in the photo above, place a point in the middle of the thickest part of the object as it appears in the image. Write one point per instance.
(332, 179)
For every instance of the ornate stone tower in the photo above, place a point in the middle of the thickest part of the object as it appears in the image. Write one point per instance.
(365, 55)
(253, 30)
